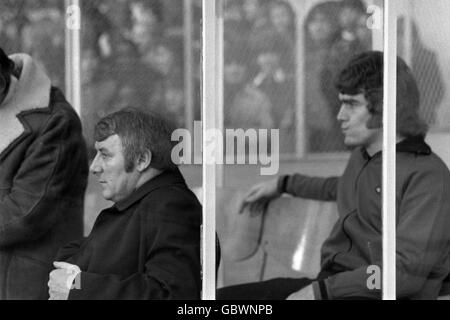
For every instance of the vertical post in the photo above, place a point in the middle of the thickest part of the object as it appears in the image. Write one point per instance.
(209, 97)
(389, 151)
(188, 65)
(219, 83)
(300, 114)
(72, 53)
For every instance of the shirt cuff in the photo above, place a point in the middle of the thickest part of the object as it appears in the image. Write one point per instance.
(282, 184)
(74, 274)
(320, 290)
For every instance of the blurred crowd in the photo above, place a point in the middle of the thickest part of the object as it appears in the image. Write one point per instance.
(132, 51)
(260, 66)
(133, 54)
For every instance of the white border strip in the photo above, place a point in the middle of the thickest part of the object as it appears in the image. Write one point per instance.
(209, 97)
(72, 54)
(188, 65)
(389, 150)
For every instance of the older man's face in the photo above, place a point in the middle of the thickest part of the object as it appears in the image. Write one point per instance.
(109, 167)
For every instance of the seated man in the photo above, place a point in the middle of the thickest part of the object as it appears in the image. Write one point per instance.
(147, 245)
(43, 177)
(355, 243)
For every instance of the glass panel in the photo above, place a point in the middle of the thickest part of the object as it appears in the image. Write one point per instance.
(326, 234)
(281, 60)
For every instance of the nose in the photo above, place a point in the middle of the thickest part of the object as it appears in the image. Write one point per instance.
(342, 115)
(95, 167)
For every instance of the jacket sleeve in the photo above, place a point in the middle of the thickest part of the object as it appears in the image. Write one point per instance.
(66, 252)
(324, 189)
(423, 221)
(172, 267)
(43, 181)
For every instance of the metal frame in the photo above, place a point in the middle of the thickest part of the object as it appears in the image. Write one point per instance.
(389, 151)
(210, 63)
(72, 53)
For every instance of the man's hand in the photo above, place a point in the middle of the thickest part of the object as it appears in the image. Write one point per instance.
(307, 293)
(61, 279)
(259, 197)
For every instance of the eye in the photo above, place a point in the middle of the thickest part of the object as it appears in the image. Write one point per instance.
(352, 104)
(103, 155)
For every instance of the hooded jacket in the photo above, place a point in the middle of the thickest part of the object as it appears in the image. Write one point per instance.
(355, 243)
(43, 176)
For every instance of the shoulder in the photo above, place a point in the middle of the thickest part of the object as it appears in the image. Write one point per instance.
(59, 115)
(173, 203)
(61, 110)
(427, 168)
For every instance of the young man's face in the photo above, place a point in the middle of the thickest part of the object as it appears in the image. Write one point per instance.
(353, 117)
(109, 167)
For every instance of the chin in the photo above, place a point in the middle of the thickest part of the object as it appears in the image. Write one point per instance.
(349, 143)
(106, 195)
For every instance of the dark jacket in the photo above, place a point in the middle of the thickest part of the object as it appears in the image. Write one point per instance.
(423, 223)
(43, 176)
(144, 247)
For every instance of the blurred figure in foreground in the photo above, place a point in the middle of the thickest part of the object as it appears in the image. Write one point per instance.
(43, 176)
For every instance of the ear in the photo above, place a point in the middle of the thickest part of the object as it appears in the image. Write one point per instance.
(144, 161)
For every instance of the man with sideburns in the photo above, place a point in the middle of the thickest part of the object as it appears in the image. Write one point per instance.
(147, 245)
(355, 243)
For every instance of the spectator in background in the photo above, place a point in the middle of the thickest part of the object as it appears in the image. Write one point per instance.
(147, 19)
(137, 83)
(321, 31)
(162, 58)
(245, 106)
(275, 77)
(43, 38)
(236, 28)
(255, 14)
(282, 19)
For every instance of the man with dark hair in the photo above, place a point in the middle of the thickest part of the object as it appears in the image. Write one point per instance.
(355, 243)
(147, 245)
(43, 177)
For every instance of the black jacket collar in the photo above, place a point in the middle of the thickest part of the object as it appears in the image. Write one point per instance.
(415, 145)
(164, 179)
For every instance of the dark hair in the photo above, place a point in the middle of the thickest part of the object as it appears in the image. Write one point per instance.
(6, 70)
(328, 9)
(358, 5)
(139, 131)
(364, 74)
